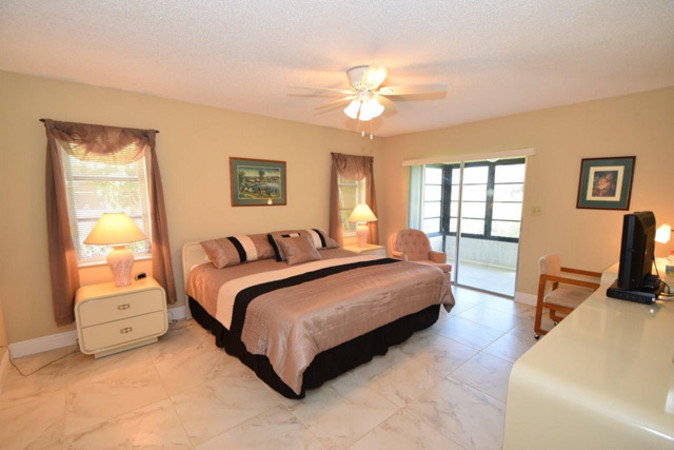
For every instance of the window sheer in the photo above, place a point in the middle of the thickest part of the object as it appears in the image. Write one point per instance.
(96, 187)
(351, 193)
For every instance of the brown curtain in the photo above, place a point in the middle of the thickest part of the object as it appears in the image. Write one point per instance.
(111, 145)
(352, 167)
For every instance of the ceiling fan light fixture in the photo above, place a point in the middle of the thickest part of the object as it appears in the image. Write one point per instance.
(352, 109)
(374, 76)
(370, 109)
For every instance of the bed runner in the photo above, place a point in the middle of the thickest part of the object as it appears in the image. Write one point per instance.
(244, 298)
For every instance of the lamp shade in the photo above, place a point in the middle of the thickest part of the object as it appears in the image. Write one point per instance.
(362, 213)
(370, 109)
(114, 229)
(663, 233)
(352, 109)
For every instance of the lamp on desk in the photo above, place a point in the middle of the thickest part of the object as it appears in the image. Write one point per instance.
(361, 215)
(663, 233)
(117, 229)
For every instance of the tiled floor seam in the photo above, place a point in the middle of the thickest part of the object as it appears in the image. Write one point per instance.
(173, 405)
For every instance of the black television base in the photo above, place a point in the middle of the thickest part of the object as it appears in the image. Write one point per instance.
(646, 296)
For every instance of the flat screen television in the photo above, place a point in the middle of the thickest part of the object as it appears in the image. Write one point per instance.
(637, 250)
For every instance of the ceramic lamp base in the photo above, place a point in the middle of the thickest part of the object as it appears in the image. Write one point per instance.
(362, 231)
(120, 260)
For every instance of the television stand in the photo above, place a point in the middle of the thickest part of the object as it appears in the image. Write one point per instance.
(644, 295)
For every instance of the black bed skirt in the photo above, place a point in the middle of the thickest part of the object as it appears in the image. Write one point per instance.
(328, 364)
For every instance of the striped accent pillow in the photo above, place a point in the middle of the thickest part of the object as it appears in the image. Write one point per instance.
(319, 238)
(234, 250)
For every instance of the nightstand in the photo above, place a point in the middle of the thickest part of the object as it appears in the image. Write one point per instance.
(369, 249)
(112, 319)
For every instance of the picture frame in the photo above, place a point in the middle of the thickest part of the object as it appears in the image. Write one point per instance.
(606, 183)
(257, 182)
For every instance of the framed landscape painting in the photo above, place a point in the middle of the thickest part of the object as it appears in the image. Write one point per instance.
(257, 182)
(606, 183)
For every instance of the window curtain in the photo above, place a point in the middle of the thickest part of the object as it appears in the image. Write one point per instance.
(416, 197)
(352, 167)
(110, 145)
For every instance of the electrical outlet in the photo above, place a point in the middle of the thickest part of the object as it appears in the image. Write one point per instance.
(537, 211)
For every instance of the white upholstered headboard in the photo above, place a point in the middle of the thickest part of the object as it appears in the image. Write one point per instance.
(193, 255)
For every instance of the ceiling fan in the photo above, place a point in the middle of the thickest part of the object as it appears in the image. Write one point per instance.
(367, 98)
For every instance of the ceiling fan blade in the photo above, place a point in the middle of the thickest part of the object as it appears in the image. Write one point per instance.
(314, 88)
(413, 89)
(336, 102)
(389, 106)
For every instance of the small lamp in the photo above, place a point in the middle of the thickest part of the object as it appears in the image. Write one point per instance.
(117, 229)
(663, 233)
(360, 215)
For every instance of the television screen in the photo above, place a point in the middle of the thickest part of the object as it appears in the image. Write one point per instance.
(637, 250)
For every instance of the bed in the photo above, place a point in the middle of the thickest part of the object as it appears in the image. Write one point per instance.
(299, 326)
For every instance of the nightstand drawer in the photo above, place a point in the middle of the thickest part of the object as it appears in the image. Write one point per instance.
(116, 307)
(123, 331)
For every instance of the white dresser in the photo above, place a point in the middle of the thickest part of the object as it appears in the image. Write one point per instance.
(112, 319)
(603, 378)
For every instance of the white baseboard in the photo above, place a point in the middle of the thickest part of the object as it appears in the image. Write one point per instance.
(43, 344)
(527, 299)
(59, 340)
(4, 366)
(177, 313)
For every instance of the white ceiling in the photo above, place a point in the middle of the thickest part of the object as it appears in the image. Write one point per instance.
(498, 57)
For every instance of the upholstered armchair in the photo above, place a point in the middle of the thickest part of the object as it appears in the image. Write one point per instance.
(413, 245)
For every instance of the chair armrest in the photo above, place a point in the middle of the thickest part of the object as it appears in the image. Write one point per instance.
(573, 281)
(437, 257)
(399, 255)
(581, 272)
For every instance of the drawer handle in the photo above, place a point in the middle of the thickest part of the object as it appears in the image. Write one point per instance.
(123, 306)
(126, 330)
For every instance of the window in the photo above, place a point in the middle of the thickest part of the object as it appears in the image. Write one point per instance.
(432, 200)
(351, 193)
(95, 187)
(491, 206)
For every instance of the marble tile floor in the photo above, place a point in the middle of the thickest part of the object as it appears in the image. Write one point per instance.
(444, 388)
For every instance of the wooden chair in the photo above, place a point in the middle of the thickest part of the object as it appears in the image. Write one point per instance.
(560, 299)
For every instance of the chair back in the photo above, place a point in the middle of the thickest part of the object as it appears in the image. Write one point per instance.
(413, 243)
(550, 264)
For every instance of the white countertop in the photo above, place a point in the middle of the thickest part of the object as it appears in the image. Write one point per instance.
(607, 373)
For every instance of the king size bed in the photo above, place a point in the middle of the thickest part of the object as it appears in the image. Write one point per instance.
(300, 322)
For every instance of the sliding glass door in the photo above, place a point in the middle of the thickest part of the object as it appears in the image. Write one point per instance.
(472, 211)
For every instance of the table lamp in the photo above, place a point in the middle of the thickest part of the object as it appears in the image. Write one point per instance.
(117, 229)
(361, 215)
(663, 233)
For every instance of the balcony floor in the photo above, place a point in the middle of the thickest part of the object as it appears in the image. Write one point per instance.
(488, 278)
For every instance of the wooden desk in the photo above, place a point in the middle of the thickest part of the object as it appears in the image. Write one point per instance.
(603, 378)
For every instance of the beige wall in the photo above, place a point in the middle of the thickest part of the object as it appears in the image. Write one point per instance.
(638, 124)
(194, 145)
(3, 333)
(196, 141)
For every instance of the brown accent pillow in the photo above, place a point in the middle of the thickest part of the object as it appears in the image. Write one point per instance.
(234, 250)
(298, 249)
(320, 239)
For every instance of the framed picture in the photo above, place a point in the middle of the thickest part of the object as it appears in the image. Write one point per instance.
(606, 183)
(257, 182)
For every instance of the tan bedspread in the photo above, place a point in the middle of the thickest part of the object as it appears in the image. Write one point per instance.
(293, 324)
